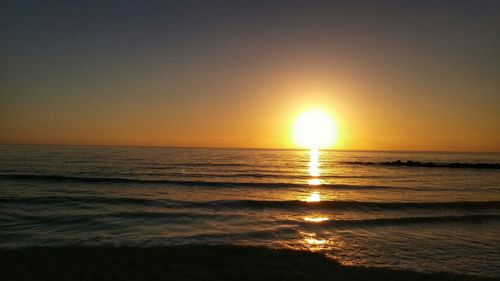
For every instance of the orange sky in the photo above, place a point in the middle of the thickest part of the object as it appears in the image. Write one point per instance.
(237, 77)
(261, 115)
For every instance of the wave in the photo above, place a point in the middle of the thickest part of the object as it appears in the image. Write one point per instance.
(114, 180)
(290, 175)
(87, 200)
(411, 163)
(106, 220)
(256, 204)
(197, 164)
(354, 205)
(411, 220)
(174, 216)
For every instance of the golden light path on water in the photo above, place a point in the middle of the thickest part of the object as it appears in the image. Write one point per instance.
(314, 172)
(310, 239)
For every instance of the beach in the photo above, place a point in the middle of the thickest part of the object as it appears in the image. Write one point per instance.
(190, 263)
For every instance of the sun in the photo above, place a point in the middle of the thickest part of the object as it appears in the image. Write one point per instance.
(315, 129)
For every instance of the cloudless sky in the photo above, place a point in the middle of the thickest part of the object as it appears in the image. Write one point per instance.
(396, 75)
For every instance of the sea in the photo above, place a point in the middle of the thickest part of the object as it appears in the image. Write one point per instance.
(422, 211)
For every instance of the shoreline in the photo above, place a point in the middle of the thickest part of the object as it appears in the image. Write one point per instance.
(193, 262)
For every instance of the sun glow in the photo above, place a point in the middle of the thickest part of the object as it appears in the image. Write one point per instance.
(315, 129)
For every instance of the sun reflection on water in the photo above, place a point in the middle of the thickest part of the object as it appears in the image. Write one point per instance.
(314, 172)
(310, 240)
(314, 182)
(314, 163)
(316, 219)
(313, 241)
(314, 197)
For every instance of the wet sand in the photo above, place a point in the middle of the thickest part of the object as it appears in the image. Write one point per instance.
(189, 263)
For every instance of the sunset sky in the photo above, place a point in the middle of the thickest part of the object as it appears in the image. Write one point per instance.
(395, 75)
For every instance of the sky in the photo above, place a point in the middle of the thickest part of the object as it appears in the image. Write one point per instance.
(395, 75)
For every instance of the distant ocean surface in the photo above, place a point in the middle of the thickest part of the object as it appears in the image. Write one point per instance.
(361, 208)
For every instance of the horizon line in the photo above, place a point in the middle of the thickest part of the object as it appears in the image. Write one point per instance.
(253, 148)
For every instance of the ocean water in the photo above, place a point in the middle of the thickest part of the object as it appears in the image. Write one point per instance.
(360, 208)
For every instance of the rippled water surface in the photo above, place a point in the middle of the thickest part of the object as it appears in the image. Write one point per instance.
(379, 214)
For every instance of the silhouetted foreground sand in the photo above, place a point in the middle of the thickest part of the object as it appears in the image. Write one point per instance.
(188, 263)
